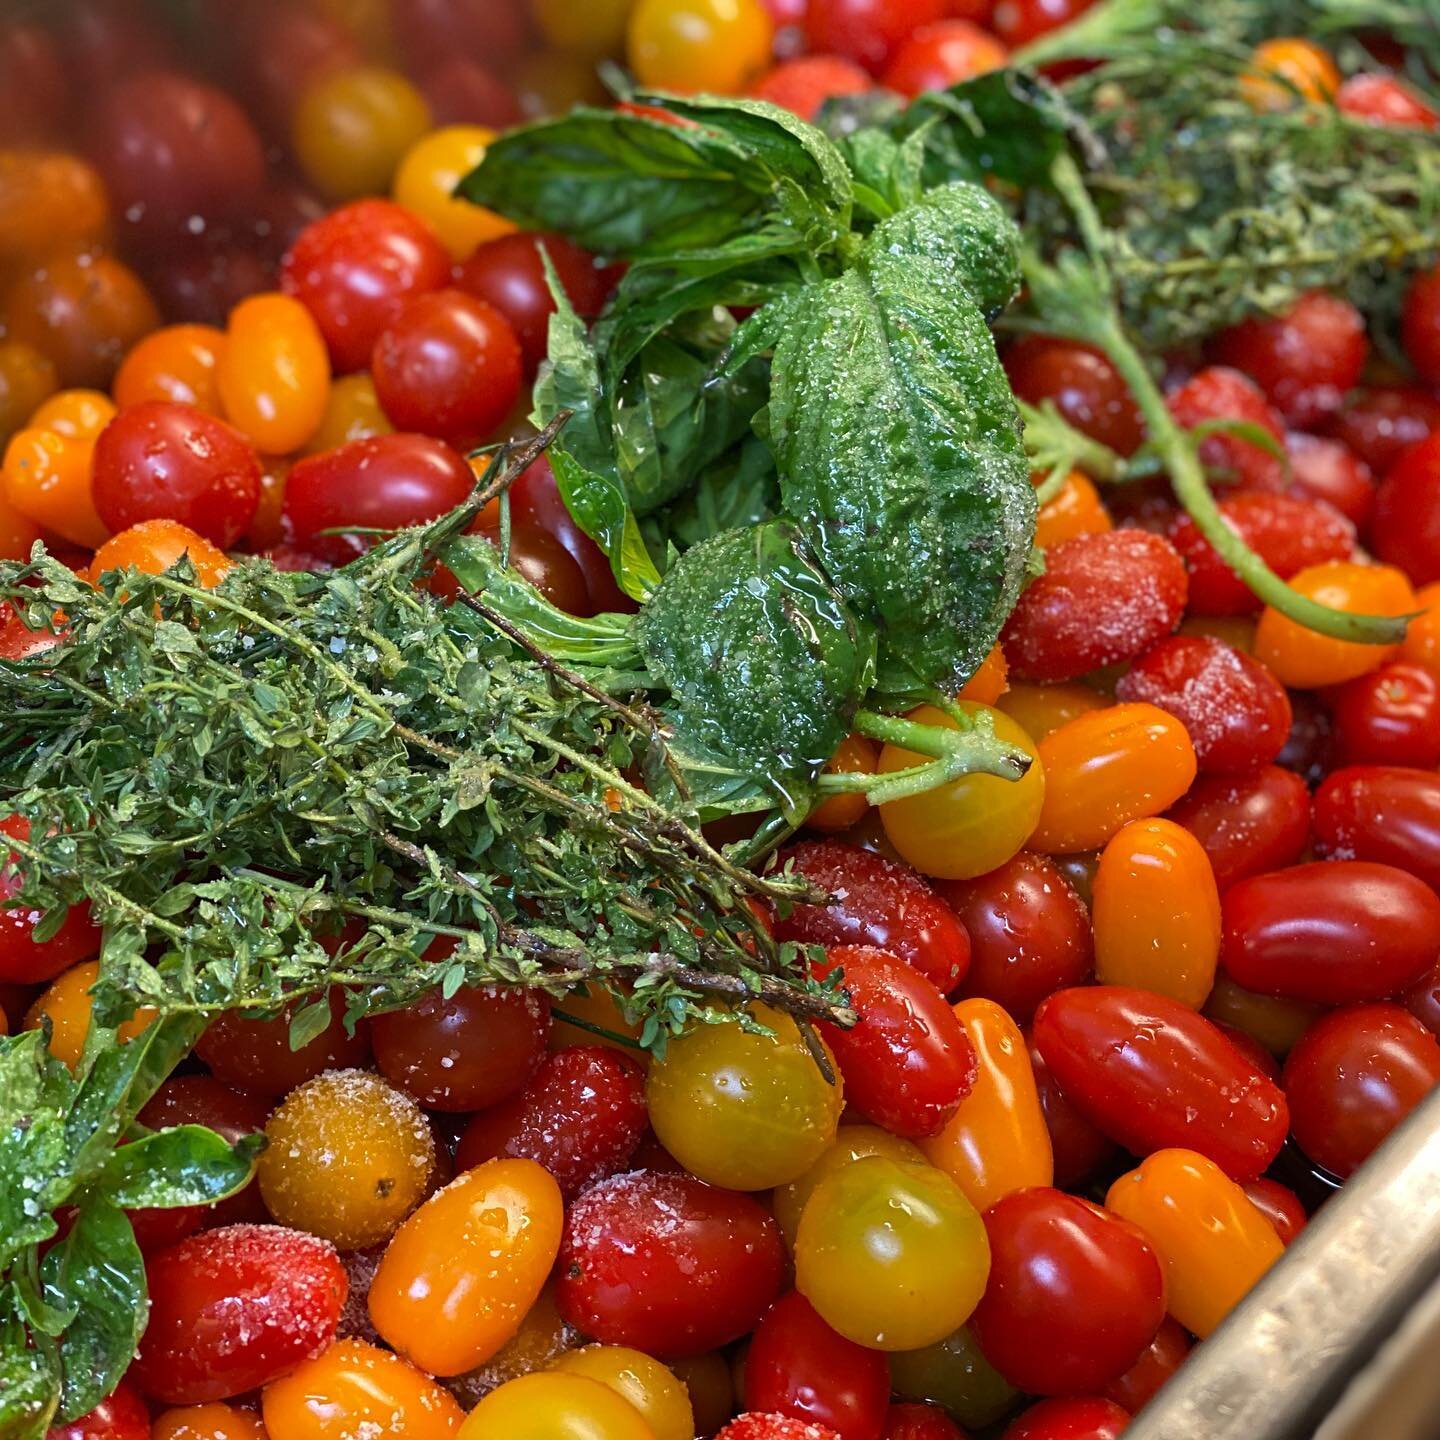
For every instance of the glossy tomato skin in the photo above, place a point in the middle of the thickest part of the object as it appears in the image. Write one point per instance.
(1385, 100)
(667, 1264)
(386, 481)
(1247, 824)
(877, 902)
(22, 960)
(1380, 422)
(1405, 528)
(807, 82)
(1324, 469)
(1085, 387)
(1389, 717)
(1090, 1282)
(908, 1064)
(798, 1366)
(1070, 1419)
(1029, 933)
(919, 1422)
(869, 32)
(1279, 1205)
(1221, 393)
(943, 54)
(233, 1309)
(121, 1416)
(1161, 1359)
(1154, 1075)
(1079, 1148)
(1334, 932)
(1354, 1076)
(1384, 813)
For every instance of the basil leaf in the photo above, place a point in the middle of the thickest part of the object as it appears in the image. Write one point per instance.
(29, 1374)
(186, 1165)
(598, 507)
(35, 1090)
(738, 490)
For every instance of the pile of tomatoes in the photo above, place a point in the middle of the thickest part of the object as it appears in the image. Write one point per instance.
(1124, 1023)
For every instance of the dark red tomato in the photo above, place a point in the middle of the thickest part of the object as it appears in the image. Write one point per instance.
(1279, 1204)
(449, 366)
(1152, 1074)
(1286, 532)
(1324, 469)
(1384, 100)
(919, 1422)
(1422, 999)
(122, 1416)
(233, 1309)
(667, 1264)
(33, 90)
(1103, 599)
(201, 280)
(804, 84)
(477, 1048)
(161, 461)
(1079, 1148)
(1018, 22)
(1029, 933)
(279, 50)
(1380, 422)
(582, 1117)
(432, 30)
(256, 1054)
(754, 1426)
(1405, 528)
(356, 270)
(867, 31)
(1308, 751)
(1085, 1279)
(1236, 712)
(1162, 1358)
(461, 91)
(1389, 717)
(1250, 1048)
(22, 960)
(1089, 1418)
(798, 1366)
(1220, 394)
(1353, 1077)
(876, 902)
(1305, 360)
(938, 56)
(386, 482)
(1334, 932)
(1420, 323)
(908, 1064)
(537, 555)
(1085, 387)
(509, 273)
(106, 40)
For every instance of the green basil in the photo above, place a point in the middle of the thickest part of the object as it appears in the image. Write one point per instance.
(186, 1165)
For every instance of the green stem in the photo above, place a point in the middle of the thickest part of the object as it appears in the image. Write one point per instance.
(975, 751)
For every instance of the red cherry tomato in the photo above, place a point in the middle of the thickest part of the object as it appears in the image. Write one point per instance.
(461, 91)
(23, 961)
(1379, 422)
(356, 270)
(798, 1366)
(1079, 1148)
(1029, 933)
(1154, 1075)
(1162, 1358)
(1084, 1419)
(1405, 528)
(1335, 932)
(1289, 535)
(430, 30)
(804, 85)
(908, 1064)
(1279, 1205)
(1223, 394)
(1422, 999)
(1420, 320)
(919, 1422)
(940, 55)
(200, 281)
(582, 1117)
(1389, 717)
(1384, 100)
(1354, 1076)
(386, 482)
(1018, 22)
(105, 40)
(33, 82)
(877, 902)
(122, 1416)
(1383, 813)
(867, 31)
(1236, 711)
(1249, 824)
(280, 50)
(534, 553)
(160, 461)
(1085, 387)
(1089, 1281)
(233, 1309)
(1102, 599)
(1324, 469)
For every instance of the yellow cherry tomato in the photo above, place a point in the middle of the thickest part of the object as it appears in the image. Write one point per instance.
(274, 373)
(555, 1406)
(972, 825)
(656, 1392)
(425, 185)
(66, 1003)
(718, 46)
(353, 127)
(1039, 709)
(595, 29)
(352, 412)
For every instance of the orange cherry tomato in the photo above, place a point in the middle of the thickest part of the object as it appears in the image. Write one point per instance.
(1274, 1023)
(717, 46)
(990, 681)
(555, 1406)
(1422, 639)
(1039, 709)
(997, 1141)
(426, 180)
(354, 1389)
(153, 546)
(47, 479)
(1306, 660)
(66, 1003)
(267, 529)
(1288, 71)
(598, 1008)
(27, 378)
(1156, 912)
(1106, 768)
(18, 532)
(352, 412)
(1212, 1241)
(1076, 510)
(215, 1421)
(75, 414)
(855, 755)
(460, 1274)
(274, 373)
(49, 199)
(179, 363)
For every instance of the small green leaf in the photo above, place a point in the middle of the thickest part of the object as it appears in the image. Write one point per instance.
(599, 509)
(308, 1023)
(173, 639)
(186, 1165)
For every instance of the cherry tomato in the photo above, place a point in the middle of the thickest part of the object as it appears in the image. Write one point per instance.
(1354, 1076)
(1420, 319)
(1403, 529)
(582, 1117)
(214, 1421)
(49, 200)
(1272, 1022)
(1213, 1243)
(1083, 385)
(47, 482)
(1039, 709)
(869, 32)
(66, 1003)
(235, 1308)
(1379, 422)
(943, 54)
(535, 1407)
(426, 181)
(461, 91)
(1382, 813)
(256, 1054)
(430, 29)
(955, 1375)
(154, 546)
(120, 1416)
(178, 364)
(598, 32)
(971, 825)
(1247, 824)
(450, 366)
(1018, 22)
(542, 1339)
(27, 380)
(352, 128)
(1422, 637)
(715, 46)
(1389, 717)
(23, 961)
(1323, 469)
(1083, 1419)
(876, 902)
(1078, 1147)
(919, 1422)
(279, 50)
(1288, 71)
(274, 374)
(349, 1157)
(1076, 510)
(891, 1255)
(1152, 1074)
(667, 1264)
(357, 269)
(1162, 1358)
(534, 553)
(352, 412)
(1385, 100)
(33, 81)
(353, 1389)
(102, 40)
(1091, 1282)
(1279, 1205)
(553, 83)
(386, 482)
(711, 1388)
(656, 1392)
(1219, 395)
(481, 1046)
(803, 85)
(798, 1366)
(855, 755)
(1422, 999)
